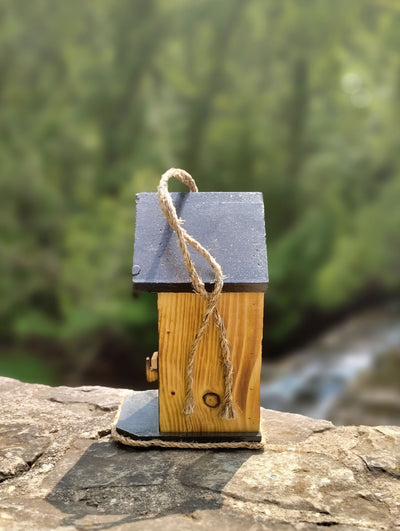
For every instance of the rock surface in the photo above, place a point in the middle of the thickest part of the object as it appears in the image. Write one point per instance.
(59, 469)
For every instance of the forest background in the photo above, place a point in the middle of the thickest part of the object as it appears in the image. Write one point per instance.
(297, 99)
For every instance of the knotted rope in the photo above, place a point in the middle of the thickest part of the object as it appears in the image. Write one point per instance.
(184, 239)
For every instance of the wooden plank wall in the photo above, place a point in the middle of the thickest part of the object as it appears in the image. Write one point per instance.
(180, 315)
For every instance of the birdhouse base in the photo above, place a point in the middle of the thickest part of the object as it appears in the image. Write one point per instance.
(137, 424)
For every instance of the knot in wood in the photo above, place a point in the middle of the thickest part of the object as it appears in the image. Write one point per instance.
(211, 400)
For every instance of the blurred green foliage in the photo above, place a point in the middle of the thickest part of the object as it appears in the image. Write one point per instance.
(26, 367)
(299, 100)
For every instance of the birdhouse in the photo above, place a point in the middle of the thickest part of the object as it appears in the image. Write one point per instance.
(231, 228)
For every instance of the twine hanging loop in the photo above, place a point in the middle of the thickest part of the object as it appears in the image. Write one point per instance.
(184, 239)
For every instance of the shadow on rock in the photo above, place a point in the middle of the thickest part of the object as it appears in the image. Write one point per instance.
(109, 479)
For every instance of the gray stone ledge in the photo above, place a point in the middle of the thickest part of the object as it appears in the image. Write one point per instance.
(59, 469)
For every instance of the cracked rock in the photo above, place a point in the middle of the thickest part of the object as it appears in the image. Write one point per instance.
(59, 469)
(20, 446)
(387, 464)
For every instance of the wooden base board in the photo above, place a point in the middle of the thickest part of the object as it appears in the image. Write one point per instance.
(138, 419)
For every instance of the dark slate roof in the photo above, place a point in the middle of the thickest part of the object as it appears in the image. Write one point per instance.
(230, 225)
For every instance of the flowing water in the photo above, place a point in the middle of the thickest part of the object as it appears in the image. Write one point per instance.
(311, 380)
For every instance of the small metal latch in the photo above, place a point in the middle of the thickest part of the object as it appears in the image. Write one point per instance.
(152, 368)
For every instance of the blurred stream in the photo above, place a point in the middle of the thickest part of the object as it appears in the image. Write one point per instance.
(312, 380)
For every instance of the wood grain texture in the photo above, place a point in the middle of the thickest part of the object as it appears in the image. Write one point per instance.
(179, 317)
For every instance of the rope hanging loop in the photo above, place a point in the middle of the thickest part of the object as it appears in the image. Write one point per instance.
(184, 239)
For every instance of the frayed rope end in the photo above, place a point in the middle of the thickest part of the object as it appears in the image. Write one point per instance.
(227, 411)
(189, 406)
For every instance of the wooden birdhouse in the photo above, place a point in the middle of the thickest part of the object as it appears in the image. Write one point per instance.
(231, 227)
